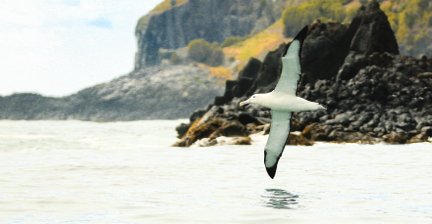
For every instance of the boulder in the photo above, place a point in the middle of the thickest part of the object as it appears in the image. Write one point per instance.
(371, 21)
(395, 138)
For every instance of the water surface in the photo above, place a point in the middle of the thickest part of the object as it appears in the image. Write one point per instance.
(126, 172)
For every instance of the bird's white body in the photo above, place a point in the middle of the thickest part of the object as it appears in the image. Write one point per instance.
(283, 101)
(286, 102)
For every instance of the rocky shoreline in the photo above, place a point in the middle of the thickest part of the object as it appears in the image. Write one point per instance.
(372, 93)
(156, 92)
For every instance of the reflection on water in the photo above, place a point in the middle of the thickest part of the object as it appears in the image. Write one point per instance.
(279, 199)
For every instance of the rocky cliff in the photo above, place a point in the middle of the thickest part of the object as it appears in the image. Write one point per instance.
(372, 93)
(212, 20)
(172, 92)
(177, 86)
(411, 20)
(160, 91)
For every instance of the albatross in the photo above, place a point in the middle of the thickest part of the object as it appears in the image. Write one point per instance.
(283, 101)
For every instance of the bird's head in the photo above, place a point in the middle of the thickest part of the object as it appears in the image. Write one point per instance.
(254, 99)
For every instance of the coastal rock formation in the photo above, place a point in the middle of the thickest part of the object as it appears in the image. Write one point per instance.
(168, 90)
(411, 21)
(372, 31)
(212, 20)
(372, 93)
(151, 93)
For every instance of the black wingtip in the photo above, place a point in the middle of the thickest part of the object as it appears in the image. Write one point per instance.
(271, 171)
(301, 36)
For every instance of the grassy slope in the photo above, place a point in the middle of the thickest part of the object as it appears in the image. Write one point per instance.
(166, 4)
(411, 20)
(401, 14)
(257, 45)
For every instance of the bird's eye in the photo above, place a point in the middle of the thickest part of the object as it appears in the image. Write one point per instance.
(254, 97)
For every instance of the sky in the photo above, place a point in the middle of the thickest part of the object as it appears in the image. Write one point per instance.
(57, 47)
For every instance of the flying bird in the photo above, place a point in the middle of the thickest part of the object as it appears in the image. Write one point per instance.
(283, 101)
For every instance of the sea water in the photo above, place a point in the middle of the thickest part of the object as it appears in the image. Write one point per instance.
(127, 172)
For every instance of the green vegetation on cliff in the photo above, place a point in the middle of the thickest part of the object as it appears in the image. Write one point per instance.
(202, 51)
(167, 4)
(411, 20)
(256, 45)
(297, 16)
(229, 41)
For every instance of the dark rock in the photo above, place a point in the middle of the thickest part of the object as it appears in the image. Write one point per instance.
(182, 129)
(317, 132)
(427, 131)
(232, 129)
(196, 114)
(247, 78)
(198, 130)
(251, 69)
(269, 72)
(371, 21)
(332, 41)
(371, 93)
(245, 140)
(219, 100)
(424, 135)
(211, 127)
(242, 141)
(298, 139)
(395, 138)
(247, 118)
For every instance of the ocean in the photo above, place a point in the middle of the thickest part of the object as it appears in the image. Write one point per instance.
(55, 172)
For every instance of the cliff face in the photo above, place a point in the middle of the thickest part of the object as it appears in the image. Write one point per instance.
(324, 52)
(371, 92)
(212, 20)
(332, 51)
(159, 91)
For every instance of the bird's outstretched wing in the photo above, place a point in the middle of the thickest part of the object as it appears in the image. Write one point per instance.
(279, 130)
(291, 65)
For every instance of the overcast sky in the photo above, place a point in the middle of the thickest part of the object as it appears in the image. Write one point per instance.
(57, 47)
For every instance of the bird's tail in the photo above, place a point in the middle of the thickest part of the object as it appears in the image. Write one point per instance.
(321, 107)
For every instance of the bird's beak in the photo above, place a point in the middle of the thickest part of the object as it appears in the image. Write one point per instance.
(244, 103)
